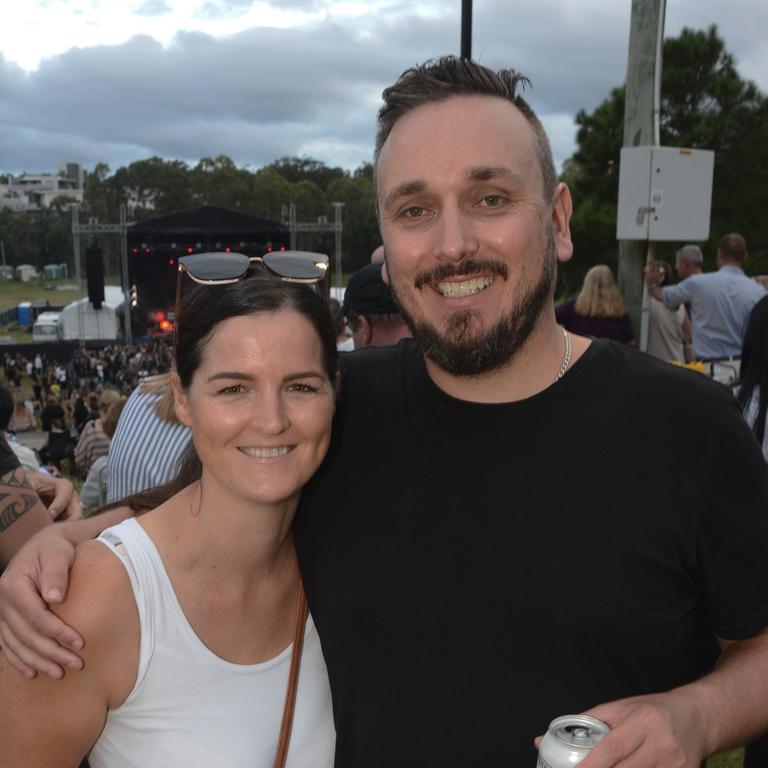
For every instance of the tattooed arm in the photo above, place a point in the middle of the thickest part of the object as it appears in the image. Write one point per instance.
(21, 513)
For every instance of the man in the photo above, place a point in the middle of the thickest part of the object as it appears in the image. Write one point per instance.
(719, 302)
(688, 261)
(370, 309)
(22, 511)
(527, 542)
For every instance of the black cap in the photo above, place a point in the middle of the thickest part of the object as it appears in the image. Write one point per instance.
(367, 293)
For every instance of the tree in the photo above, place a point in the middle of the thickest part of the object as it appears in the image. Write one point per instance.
(361, 229)
(295, 169)
(706, 105)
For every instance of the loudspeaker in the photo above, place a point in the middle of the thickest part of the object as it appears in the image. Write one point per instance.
(94, 272)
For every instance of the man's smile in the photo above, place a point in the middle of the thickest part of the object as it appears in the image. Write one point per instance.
(452, 289)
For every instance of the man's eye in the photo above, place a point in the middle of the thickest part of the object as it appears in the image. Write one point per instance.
(414, 212)
(492, 201)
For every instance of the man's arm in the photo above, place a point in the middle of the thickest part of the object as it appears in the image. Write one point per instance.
(33, 638)
(22, 513)
(672, 296)
(681, 727)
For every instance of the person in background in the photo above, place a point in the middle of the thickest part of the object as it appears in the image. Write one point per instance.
(147, 446)
(344, 340)
(51, 411)
(93, 443)
(598, 310)
(752, 394)
(29, 502)
(720, 302)
(94, 490)
(371, 310)
(22, 418)
(25, 455)
(688, 261)
(80, 414)
(669, 331)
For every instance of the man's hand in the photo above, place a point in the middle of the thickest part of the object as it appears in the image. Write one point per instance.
(57, 494)
(32, 637)
(657, 731)
(653, 282)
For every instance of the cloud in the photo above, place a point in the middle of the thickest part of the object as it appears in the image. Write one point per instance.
(153, 8)
(219, 9)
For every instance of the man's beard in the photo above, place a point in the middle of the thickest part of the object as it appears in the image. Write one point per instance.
(460, 351)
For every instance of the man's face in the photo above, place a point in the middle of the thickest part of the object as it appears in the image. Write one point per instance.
(682, 267)
(471, 242)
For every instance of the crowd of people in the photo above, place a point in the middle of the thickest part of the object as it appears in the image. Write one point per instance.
(494, 522)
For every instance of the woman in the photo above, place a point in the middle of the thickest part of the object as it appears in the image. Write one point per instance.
(189, 611)
(669, 332)
(753, 390)
(598, 310)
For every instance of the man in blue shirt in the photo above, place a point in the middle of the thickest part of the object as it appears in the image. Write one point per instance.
(719, 302)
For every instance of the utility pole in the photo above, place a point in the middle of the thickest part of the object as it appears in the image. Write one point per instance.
(337, 229)
(466, 29)
(641, 115)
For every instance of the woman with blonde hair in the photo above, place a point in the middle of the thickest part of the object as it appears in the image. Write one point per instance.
(598, 310)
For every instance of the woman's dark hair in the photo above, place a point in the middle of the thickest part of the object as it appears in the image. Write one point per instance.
(207, 306)
(201, 311)
(754, 366)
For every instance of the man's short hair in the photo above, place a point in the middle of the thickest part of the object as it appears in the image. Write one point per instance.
(733, 246)
(439, 79)
(691, 253)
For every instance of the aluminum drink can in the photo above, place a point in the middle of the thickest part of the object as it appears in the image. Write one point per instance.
(569, 739)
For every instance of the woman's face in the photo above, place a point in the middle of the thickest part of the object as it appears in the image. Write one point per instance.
(260, 406)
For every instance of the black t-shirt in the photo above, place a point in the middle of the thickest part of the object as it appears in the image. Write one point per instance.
(476, 570)
(8, 459)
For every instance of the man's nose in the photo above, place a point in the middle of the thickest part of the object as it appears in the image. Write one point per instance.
(455, 236)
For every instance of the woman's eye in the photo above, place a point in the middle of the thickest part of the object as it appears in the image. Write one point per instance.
(302, 388)
(232, 390)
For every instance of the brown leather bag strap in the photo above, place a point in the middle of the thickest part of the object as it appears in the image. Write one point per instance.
(284, 739)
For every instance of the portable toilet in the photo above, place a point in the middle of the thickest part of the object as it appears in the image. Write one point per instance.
(25, 313)
(55, 271)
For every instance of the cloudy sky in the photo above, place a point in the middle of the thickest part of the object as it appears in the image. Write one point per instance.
(120, 80)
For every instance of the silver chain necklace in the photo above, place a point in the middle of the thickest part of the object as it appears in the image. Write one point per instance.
(566, 357)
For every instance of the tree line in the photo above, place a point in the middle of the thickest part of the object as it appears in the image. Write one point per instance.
(705, 104)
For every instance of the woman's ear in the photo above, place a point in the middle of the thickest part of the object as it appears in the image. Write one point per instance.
(180, 400)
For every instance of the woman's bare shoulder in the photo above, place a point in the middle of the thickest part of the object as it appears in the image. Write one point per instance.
(99, 592)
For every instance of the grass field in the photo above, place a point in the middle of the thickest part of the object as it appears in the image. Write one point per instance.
(732, 759)
(12, 293)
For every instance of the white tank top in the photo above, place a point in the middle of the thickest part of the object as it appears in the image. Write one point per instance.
(191, 708)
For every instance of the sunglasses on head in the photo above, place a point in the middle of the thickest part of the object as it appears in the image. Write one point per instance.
(221, 268)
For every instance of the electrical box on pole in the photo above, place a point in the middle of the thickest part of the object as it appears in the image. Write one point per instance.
(665, 193)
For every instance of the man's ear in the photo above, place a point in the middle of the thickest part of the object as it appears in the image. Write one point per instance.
(180, 402)
(385, 270)
(562, 208)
